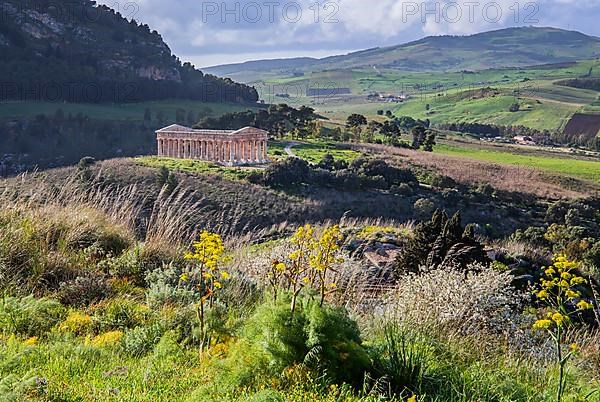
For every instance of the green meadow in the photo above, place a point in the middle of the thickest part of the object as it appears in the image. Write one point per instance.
(584, 169)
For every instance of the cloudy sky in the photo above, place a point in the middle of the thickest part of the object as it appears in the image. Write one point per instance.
(227, 31)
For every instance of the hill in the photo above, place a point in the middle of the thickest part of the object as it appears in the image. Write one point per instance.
(82, 52)
(511, 47)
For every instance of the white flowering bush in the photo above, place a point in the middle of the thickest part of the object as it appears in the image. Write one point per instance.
(481, 299)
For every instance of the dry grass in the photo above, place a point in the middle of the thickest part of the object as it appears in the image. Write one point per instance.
(503, 177)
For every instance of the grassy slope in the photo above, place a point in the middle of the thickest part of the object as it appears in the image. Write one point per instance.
(541, 115)
(313, 150)
(128, 111)
(556, 104)
(584, 169)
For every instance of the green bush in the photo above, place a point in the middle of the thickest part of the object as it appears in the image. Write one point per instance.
(140, 340)
(323, 339)
(29, 316)
(166, 287)
(119, 314)
(88, 288)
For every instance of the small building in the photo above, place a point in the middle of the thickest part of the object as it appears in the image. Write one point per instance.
(246, 146)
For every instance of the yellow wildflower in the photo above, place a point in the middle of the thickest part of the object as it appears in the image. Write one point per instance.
(542, 324)
(280, 267)
(583, 305)
(542, 294)
(184, 277)
(218, 285)
(225, 275)
(558, 318)
(574, 347)
(566, 276)
(31, 341)
(571, 294)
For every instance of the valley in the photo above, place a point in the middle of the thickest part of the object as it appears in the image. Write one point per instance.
(415, 222)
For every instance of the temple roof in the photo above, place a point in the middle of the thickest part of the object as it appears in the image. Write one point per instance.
(176, 128)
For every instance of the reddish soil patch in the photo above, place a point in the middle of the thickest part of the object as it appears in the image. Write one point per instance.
(583, 127)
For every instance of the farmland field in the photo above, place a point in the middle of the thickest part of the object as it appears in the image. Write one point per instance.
(584, 169)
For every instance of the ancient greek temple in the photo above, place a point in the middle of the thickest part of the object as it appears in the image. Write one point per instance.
(246, 146)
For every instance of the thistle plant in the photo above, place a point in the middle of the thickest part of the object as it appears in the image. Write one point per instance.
(311, 263)
(558, 291)
(208, 256)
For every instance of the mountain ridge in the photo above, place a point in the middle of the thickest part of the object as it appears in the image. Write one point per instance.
(507, 47)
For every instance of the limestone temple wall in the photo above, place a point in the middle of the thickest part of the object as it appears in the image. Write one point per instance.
(246, 146)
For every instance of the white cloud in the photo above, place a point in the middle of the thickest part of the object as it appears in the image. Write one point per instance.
(342, 24)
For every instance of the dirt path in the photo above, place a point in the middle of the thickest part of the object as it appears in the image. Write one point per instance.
(288, 149)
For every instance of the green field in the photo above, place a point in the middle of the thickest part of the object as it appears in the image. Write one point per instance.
(544, 105)
(127, 111)
(313, 151)
(534, 113)
(193, 166)
(583, 169)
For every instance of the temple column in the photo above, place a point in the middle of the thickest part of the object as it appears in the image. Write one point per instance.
(159, 147)
(181, 149)
(253, 151)
(265, 155)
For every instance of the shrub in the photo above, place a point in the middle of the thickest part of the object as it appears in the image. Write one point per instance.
(119, 314)
(29, 316)
(441, 181)
(470, 303)
(323, 339)
(441, 242)
(76, 323)
(84, 290)
(107, 339)
(288, 172)
(165, 286)
(423, 207)
(140, 340)
(402, 189)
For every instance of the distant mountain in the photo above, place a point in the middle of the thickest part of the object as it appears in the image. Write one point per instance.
(78, 51)
(511, 47)
(263, 65)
